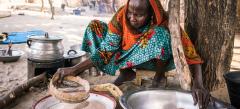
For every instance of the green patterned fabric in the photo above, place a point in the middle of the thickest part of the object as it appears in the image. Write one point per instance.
(106, 53)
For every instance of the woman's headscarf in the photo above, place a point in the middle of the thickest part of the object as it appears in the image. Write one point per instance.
(119, 25)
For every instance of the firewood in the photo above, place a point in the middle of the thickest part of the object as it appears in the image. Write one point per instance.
(18, 91)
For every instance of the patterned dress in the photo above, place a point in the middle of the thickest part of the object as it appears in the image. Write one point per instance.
(108, 56)
(116, 45)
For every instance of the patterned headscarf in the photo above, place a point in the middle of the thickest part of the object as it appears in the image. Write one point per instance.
(119, 25)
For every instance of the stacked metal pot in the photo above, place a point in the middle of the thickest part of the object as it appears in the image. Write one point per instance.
(46, 48)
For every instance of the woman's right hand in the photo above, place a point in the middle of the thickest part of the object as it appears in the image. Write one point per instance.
(62, 72)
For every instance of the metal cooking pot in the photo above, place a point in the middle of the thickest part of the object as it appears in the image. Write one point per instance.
(73, 57)
(45, 48)
(163, 99)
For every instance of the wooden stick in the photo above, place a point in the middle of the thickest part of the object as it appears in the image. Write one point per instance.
(17, 91)
(182, 68)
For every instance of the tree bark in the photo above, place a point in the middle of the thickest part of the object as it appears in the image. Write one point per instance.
(238, 9)
(182, 68)
(238, 16)
(52, 9)
(211, 26)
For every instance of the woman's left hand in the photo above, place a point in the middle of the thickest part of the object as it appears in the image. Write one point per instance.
(200, 95)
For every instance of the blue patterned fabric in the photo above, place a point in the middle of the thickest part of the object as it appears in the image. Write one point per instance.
(106, 53)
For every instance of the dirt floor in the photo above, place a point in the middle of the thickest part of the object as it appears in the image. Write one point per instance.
(71, 27)
(66, 25)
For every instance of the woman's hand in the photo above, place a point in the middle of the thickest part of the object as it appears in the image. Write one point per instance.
(200, 95)
(62, 72)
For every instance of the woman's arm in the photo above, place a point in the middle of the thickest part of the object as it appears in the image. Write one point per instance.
(197, 74)
(199, 93)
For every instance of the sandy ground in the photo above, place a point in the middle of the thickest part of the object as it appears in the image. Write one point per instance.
(71, 28)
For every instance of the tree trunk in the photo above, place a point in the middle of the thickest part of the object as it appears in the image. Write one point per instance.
(182, 68)
(84, 2)
(238, 9)
(42, 6)
(165, 4)
(238, 16)
(210, 25)
(30, 1)
(66, 2)
(52, 9)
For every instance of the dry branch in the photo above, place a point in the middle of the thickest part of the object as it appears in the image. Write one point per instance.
(16, 92)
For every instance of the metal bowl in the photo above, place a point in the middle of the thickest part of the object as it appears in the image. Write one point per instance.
(95, 101)
(16, 54)
(162, 99)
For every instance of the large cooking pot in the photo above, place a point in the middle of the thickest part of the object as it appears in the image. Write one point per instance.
(164, 99)
(45, 48)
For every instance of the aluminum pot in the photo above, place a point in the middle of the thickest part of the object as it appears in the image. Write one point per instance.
(45, 48)
(73, 57)
(164, 99)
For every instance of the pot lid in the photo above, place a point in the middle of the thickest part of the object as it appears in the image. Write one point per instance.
(71, 54)
(45, 37)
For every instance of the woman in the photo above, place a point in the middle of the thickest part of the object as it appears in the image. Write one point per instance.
(136, 37)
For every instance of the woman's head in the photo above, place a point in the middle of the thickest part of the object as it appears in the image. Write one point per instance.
(138, 13)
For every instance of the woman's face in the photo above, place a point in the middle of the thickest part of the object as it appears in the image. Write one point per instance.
(137, 13)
